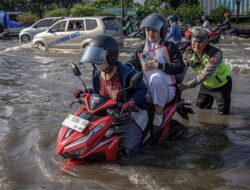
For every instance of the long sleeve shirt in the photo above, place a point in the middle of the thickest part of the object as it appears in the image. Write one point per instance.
(175, 33)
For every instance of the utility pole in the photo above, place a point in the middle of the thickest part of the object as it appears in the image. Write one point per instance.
(238, 11)
(123, 8)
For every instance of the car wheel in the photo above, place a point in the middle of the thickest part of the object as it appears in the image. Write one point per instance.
(25, 39)
(39, 45)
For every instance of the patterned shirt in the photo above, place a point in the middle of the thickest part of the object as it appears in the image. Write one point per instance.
(111, 88)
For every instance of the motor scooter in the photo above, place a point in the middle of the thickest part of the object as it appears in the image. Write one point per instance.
(91, 130)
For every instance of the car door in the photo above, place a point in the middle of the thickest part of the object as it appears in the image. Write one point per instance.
(55, 36)
(76, 34)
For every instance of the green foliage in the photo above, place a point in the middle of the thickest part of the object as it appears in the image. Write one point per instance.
(154, 6)
(168, 11)
(217, 13)
(106, 3)
(190, 14)
(148, 7)
(56, 12)
(27, 19)
(105, 14)
(83, 9)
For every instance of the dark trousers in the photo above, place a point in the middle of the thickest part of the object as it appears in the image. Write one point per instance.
(222, 96)
(130, 137)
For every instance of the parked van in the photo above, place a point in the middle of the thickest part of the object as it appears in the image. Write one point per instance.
(26, 35)
(77, 32)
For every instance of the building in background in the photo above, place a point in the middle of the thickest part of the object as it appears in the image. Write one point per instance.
(208, 5)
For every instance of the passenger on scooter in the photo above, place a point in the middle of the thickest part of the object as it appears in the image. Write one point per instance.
(226, 24)
(109, 78)
(174, 34)
(212, 73)
(205, 20)
(158, 72)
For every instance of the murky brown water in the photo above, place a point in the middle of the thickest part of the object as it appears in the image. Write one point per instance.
(35, 91)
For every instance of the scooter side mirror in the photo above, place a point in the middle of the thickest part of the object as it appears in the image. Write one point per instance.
(135, 80)
(75, 69)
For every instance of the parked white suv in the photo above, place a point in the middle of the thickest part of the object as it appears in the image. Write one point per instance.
(26, 35)
(77, 32)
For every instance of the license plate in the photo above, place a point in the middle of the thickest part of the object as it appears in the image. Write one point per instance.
(76, 123)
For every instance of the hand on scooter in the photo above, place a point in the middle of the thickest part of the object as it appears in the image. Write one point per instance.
(128, 106)
(78, 93)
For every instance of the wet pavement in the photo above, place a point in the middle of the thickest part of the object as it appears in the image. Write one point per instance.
(36, 88)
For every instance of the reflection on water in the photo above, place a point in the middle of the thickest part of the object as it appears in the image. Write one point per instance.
(36, 88)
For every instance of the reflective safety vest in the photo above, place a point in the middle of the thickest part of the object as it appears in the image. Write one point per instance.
(219, 77)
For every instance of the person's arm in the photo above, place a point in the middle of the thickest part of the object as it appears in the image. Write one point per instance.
(208, 71)
(170, 33)
(138, 94)
(225, 22)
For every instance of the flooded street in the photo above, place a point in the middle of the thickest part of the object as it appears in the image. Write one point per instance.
(36, 88)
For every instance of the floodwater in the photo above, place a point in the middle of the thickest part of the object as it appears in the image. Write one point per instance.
(36, 88)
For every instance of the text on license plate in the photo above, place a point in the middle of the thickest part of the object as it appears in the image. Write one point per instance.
(75, 123)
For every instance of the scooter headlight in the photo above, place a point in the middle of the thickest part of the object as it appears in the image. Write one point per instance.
(75, 154)
(86, 137)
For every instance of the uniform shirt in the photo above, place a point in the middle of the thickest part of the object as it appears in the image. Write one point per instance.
(215, 57)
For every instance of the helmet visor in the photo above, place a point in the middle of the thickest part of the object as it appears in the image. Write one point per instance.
(152, 23)
(94, 55)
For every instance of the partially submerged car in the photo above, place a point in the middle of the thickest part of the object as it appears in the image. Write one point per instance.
(26, 35)
(77, 32)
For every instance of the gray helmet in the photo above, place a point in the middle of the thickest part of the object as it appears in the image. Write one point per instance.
(199, 33)
(101, 47)
(173, 17)
(156, 21)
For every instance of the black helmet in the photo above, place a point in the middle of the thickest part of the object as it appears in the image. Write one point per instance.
(156, 21)
(101, 47)
(199, 33)
(204, 17)
(173, 17)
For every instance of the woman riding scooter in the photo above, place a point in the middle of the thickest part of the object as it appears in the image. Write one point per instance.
(160, 67)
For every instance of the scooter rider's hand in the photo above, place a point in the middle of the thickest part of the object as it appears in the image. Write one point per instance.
(78, 93)
(153, 64)
(128, 106)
